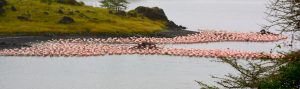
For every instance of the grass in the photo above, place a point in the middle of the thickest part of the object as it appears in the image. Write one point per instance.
(87, 20)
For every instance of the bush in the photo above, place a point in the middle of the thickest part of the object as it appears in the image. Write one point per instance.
(289, 75)
(132, 13)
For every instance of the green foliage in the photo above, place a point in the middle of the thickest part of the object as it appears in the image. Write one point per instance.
(115, 5)
(289, 75)
(89, 20)
(280, 74)
(205, 86)
(132, 13)
(250, 75)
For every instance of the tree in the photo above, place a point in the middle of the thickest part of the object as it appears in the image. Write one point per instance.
(115, 5)
(250, 75)
(288, 76)
(284, 16)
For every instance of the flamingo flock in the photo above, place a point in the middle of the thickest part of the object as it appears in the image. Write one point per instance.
(122, 46)
(201, 37)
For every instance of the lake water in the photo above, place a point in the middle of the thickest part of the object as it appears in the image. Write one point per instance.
(108, 72)
(145, 72)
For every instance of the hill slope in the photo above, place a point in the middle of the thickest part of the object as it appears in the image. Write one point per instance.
(32, 17)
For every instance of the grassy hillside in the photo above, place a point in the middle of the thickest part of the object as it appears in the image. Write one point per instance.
(42, 18)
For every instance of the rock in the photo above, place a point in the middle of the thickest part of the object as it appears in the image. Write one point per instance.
(46, 13)
(77, 11)
(145, 45)
(263, 31)
(66, 20)
(171, 25)
(2, 11)
(154, 13)
(13, 8)
(23, 18)
(2, 3)
(60, 11)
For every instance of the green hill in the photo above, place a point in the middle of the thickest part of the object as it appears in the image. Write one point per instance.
(33, 17)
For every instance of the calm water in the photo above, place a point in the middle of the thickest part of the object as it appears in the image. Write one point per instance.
(145, 72)
(108, 72)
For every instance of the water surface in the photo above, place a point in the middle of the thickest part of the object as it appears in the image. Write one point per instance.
(108, 72)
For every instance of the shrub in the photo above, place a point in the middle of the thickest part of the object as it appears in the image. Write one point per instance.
(288, 77)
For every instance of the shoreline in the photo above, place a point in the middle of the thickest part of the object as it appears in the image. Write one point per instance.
(10, 42)
(82, 47)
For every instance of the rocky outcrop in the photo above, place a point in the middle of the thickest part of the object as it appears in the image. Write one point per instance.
(13, 8)
(22, 18)
(156, 13)
(66, 20)
(145, 45)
